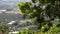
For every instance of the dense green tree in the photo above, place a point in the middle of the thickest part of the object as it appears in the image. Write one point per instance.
(39, 9)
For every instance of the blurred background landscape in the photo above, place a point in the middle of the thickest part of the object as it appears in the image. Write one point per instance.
(29, 16)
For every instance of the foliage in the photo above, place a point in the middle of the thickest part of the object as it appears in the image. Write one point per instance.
(40, 9)
(4, 29)
(53, 30)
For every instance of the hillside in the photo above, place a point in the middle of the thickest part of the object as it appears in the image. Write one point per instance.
(5, 4)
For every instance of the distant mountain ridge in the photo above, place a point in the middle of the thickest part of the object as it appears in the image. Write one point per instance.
(8, 2)
(5, 4)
